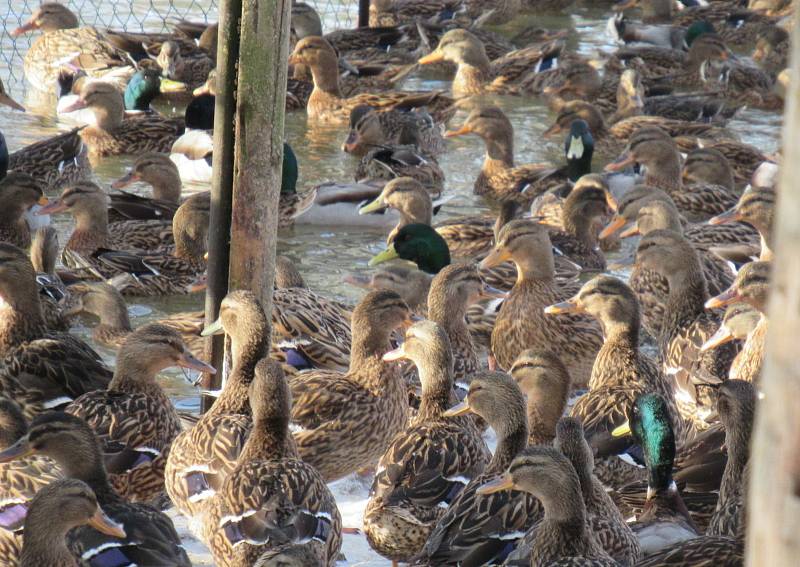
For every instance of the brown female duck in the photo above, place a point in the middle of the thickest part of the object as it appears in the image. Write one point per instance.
(345, 421)
(370, 128)
(54, 162)
(158, 171)
(40, 369)
(477, 528)
(54, 511)
(134, 418)
(522, 323)
(755, 207)
(326, 103)
(427, 465)
(19, 192)
(149, 535)
(272, 499)
(192, 71)
(113, 134)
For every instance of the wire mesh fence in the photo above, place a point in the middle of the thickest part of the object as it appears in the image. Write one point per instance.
(135, 16)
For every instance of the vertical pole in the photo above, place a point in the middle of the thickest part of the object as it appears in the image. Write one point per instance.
(263, 64)
(363, 13)
(223, 174)
(774, 498)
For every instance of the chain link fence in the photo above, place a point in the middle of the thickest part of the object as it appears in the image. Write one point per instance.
(134, 16)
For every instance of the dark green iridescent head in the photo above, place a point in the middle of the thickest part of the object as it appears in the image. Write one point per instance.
(421, 244)
(651, 425)
(697, 29)
(142, 88)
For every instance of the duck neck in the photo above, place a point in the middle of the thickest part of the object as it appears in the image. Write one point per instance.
(565, 509)
(665, 173)
(622, 333)
(134, 373)
(472, 77)
(89, 468)
(326, 79)
(45, 540)
(109, 117)
(246, 354)
(91, 229)
(532, 269)
(115, 319)
(513, 438)
(269, 440)
(448, 312)
(688, 293)
(369, 342)
(20, 318)
(542, 420)
(499, 152)
(167, 187)
(578, 224)
(436, 376)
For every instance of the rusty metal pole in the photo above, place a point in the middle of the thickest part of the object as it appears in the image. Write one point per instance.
(363, 13)
(222, 181)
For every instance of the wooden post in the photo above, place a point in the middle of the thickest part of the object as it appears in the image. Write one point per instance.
(363, 13)
(263, 64)
(774, 499)
(222, 182)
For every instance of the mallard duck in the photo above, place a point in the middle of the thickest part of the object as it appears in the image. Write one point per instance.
(150, 537)
(620, 373)
(772, 50)
(394, 12)
(54, 511)
(752, 286)
(41, 369)
(158, 171)
(563, 536)
(653, 148)
(716, 550)
(756, 207)
(476, 74)
(201, 458)
(87, 47)
(134, 418)
(734, 23)
(499, 177)
(742, 83)
(370, 128)
(192, 71)
(476, 528)
(113, 134)
(193, 151)
(546, 383)
(410, 284)
(575, 337)
(53, 294)
(21, 480)
(272, 499)
(686, 324)
(52, 162)
(326, 103)
(739, 321)
(384, 163)
(665, 520)
(371, 393)
(426, 466)
(20, 192)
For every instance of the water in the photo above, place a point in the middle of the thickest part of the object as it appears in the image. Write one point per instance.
(327, 253)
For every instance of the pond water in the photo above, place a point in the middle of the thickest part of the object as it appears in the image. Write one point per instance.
(326, 254)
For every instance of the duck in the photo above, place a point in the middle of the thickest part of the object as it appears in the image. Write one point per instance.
(739, 321)
(113, 134)
(371, 129)
(21, 481)
(193, 151)
(372, 391)
(201, 457)
(427, 465)
(55, 510)
(385, 163)
(158, 171)
(149, 535)
(272, 499)
(772, 50)
(41, 369)
(393, 12)
(756, 207)
(751, 287)
(620, 373)
(476, 74)
(563, 534)
(742, 83)
(665, 520)
(134, 418)
(53, 294)
(191, 71)
(686, 324)
(477, 528)
(719, 550)
(576, 337)
(53, 162)
(105, 302)
(21, 193)
(62, 35)
(653, 149)
(499, 177)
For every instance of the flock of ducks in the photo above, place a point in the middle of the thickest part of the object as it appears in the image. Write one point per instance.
(607, 453)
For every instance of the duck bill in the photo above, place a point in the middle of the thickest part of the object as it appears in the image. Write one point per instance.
(79, 104)
(170, 86)
(459, 409)
(568, 306)
(724, 299)
(27, 27)
(188, 360)
(622, 430)
(430, 58)
(396, 354)
(410, 319)
(43, 201)
(494, 258)
(632, 230)
(214, 328)
(623, 161)
(200, 284)
(625, 5)
(731, 215)
(19, 450)
(611, 228)
(351, 143)
(505, 482)
(721, 337)
(106, 525)
(126, 180)
(8, 101)
(372, 207)
(55, 207)
(553, 130)
(463, 131)
(389, 254)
